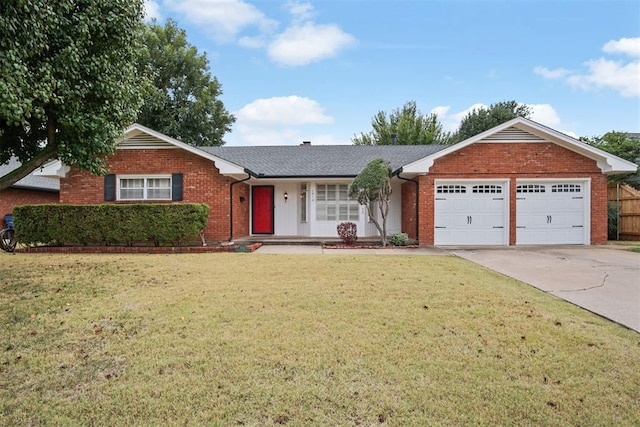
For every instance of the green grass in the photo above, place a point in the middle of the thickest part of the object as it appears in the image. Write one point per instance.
(250, 339)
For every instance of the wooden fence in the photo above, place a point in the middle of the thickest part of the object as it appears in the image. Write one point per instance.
(627, 199)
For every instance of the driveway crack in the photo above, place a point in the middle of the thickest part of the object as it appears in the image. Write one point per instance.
(604, 279)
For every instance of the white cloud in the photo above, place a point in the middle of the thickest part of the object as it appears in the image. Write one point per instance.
(283, 110)
(604, 73)
(224, 19)
(300, 11)
(620, 76)
(627, 46)
(252, 42)
(451, 121)
(558, 73)
(545, 114)
(259, 136)
(301, 45)
(286, 120)
(151, 10)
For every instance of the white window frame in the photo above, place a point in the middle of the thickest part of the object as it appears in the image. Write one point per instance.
(336, 204)
(145, 187)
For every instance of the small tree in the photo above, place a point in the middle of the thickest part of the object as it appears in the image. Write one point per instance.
(411, 126)
(482, 119)
(372, 187)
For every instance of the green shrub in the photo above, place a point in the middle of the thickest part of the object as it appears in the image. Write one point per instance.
(109, 224)
(612, 214)
(399, 239)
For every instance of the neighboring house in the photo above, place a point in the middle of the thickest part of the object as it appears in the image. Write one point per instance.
(518, 183)
(30, 190)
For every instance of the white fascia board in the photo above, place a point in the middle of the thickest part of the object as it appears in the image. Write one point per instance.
(225, 167)
(607, 162)
(54, 169)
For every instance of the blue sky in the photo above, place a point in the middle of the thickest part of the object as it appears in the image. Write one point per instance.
(319, 70)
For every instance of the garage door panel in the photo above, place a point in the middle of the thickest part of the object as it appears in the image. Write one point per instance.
(550, 213)
(472, 213)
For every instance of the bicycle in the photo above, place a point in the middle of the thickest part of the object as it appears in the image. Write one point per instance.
(8, 235)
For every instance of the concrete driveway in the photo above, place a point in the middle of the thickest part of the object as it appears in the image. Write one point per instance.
(601, 279)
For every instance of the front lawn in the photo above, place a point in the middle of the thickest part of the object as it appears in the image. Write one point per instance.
(251, 339)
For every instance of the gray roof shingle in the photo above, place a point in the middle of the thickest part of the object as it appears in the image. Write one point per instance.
(30, 181)
(319, 160)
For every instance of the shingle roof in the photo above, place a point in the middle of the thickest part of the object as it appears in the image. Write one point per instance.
(319, 160)
(30, 181)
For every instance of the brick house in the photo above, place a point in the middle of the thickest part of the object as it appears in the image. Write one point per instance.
(518, 183)
(30, 190)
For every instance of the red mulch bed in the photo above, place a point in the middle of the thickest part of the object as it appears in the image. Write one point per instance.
(363, 246)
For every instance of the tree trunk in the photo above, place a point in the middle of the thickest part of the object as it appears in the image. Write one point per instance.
(48, 152)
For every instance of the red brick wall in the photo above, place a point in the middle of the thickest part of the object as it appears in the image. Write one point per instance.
(202, 183)
(18, 196)
(409, 195)
(514, 161)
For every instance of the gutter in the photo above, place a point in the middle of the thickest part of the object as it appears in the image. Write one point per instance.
(397, 173)
(249, 175)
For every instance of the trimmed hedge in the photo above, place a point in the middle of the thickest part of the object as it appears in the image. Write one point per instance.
(109, 224)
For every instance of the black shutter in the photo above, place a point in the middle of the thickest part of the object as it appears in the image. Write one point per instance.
(109, 188)
(176, 187)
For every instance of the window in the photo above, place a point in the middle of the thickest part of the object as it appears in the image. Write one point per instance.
(530, 188)
(303, 202)
(334, 204)
(565, 188)
(492, 189)
(144, 188)
(442, 189)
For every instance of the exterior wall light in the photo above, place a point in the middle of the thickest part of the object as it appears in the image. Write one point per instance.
(286, 196)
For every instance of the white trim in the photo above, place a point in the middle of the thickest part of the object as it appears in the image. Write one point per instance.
(53, 169)
(145, 187)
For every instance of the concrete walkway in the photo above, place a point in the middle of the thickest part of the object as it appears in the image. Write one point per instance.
(602, 279)
(319, 250)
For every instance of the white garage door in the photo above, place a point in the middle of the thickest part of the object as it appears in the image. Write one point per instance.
(470, 213)
(551, 213)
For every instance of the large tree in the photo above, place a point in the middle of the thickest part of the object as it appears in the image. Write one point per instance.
(623, 146)
(482, 119)
(372, 188)
(183, 100)
(68, 80)
(410, 126)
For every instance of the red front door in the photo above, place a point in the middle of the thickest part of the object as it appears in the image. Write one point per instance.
(262, 209)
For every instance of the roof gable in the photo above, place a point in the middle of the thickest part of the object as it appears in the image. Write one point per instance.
(138, 136)
(520, 130)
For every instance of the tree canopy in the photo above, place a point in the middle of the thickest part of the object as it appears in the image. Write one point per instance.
(482, 119)
(410, 126)
(372, 187)
(183, 99)
(69, 84)
(623, 146)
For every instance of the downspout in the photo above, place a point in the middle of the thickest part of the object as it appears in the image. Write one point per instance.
(397, 173)
(249, 175)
